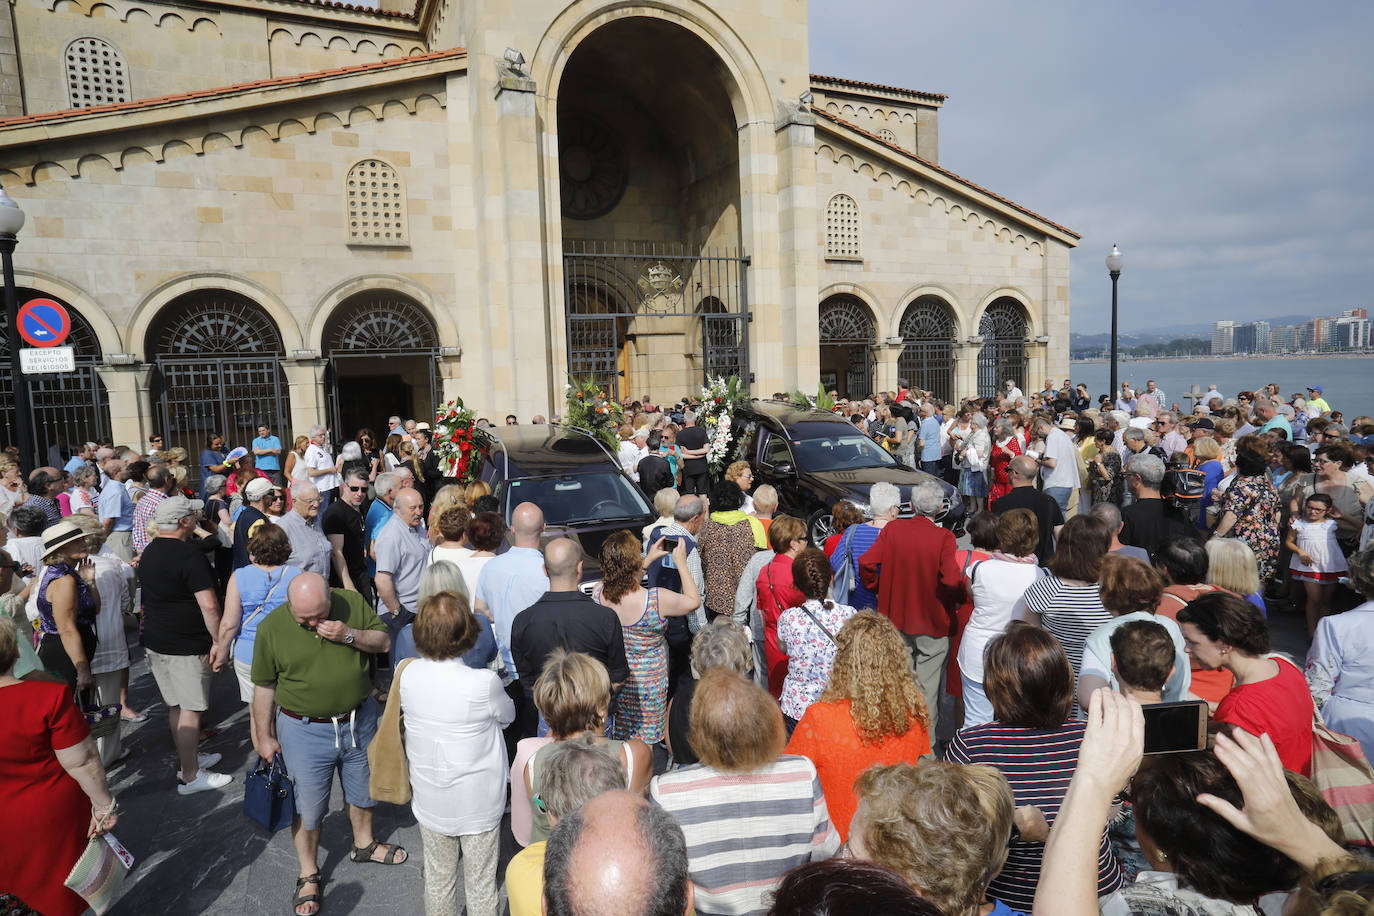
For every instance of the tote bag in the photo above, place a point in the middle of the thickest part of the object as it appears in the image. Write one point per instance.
(269, 798)
(1342, 774)
(389, 778)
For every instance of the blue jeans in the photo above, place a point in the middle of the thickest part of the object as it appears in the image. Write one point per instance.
(1061, 496)
(314, 750)
(977, 707)
(931, 467)
(325, 497)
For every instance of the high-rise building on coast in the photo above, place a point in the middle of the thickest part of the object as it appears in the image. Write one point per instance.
(1223, 338)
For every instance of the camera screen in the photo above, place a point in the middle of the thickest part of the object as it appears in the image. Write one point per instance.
(1174, 727)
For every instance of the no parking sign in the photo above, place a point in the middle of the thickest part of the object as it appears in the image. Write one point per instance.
(44, 323)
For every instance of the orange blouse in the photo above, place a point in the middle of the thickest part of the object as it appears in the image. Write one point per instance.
(826, 735)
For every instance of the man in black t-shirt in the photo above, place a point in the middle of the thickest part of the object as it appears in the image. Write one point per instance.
(691, 443)
(655, 473)
(1022, 472)
(181, 618)
(256, 497)
(1149, 523)
(346, 530)
(564, 618)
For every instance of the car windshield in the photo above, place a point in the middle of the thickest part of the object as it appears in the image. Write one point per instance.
(836, 447)
(578, 499)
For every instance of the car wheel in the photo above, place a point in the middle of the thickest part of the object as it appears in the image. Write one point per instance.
(819, 526)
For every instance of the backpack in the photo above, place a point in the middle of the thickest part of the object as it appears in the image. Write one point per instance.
(842, 583)
(1183, 488)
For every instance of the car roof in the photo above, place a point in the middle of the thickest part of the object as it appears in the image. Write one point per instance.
(787, 414)
(545, 449)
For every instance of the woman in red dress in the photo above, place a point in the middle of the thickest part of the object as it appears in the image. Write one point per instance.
(777, 593)
(1004, 448)
(51, 782)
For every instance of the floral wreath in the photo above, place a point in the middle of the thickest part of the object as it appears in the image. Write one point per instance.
(461, 448)
(719, 398)
(589, 408)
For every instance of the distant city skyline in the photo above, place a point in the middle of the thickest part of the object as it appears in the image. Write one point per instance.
(1234, 178)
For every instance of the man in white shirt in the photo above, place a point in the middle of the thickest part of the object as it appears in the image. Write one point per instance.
(1213, 398)
(1170, 439)
(321, 469)
(1014, 393)
(1058, 461)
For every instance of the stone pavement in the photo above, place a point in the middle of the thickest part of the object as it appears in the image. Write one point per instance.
(200, 854)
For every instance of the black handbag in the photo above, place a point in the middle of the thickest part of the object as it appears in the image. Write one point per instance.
(269, 798)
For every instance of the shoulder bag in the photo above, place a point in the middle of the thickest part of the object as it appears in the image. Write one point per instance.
(254, 616)
(389, 777)
(817, 621)
(842, 585)
(269, 797)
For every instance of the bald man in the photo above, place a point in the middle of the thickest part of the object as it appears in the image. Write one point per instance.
(565, 618)
(312, 662)
(1023, 471)
(508, 584)
(617, 856)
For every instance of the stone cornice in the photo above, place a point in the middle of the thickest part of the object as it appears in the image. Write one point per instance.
(158, 129)
(336, 13)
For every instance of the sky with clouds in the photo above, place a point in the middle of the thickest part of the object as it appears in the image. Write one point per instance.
(1227, 147)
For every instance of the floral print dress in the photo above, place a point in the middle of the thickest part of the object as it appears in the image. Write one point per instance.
(641, 709)
(1255, 504)
(810, 651)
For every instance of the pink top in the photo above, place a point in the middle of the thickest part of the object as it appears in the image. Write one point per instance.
(521, 816)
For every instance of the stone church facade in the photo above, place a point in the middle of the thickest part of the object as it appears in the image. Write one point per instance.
(300, 212)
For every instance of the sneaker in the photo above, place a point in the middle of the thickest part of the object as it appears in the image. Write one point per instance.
(204, 782)
(203, 762)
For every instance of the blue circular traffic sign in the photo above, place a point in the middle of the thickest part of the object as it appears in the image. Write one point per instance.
(44, 323)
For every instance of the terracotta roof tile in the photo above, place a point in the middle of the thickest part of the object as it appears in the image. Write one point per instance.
(943, 171)
(233, 89)
(338, 5)
(856, 84)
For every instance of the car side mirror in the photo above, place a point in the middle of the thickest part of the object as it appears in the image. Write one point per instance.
(784, 469)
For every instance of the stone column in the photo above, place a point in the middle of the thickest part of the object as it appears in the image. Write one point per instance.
(885, 371)
(1037, 353)
(797, 266)
(966, 369)
(129, 389)
(306, 391)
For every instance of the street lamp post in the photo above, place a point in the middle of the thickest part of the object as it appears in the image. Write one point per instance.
(11, 221)
(1114, 269)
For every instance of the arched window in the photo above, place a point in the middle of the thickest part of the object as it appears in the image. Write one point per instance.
(218, 358)
(887, 136)
(1003, 329)
(380, 322)
(927, 358)
(96, 74)
(376, 204)
(842, 227)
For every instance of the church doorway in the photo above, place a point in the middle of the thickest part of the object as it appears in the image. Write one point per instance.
(848, 336)
(649, 193)
(1003, 356)
(383, 354)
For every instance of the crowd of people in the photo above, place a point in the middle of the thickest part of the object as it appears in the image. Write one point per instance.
(713, 714)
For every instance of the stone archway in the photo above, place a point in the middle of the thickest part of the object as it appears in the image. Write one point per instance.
(1003, 328)
(383, 351)
(848, 334)
(649, 198)
(926, 362)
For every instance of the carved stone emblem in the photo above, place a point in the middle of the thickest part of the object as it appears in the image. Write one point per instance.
(660, 287)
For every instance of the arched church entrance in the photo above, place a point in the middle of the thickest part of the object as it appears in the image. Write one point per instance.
(383, 354)
(650, 202)
(848, 336)
(218, 359)
(927, 358)
(69, 408)
(1003, 329)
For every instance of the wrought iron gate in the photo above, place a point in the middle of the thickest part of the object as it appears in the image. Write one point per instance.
(609, 285)
(1003, 328)
(927, 358)
(230, 397)
(845, 322)
(72, 405)
(379, 325)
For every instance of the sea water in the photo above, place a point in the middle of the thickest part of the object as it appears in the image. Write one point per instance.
(1347, 382)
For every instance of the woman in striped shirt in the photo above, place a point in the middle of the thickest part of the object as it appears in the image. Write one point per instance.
(1067, 602)
(1034, 744)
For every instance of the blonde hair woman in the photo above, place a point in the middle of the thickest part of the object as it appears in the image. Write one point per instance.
(1231, 565)
(295, 459)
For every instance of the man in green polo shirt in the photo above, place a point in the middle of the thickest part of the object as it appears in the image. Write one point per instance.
(310, 660)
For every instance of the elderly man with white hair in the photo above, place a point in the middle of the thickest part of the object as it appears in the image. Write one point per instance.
(912, 570)
(321, 468)
(310, 549)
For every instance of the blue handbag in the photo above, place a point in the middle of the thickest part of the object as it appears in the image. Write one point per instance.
(269, 798)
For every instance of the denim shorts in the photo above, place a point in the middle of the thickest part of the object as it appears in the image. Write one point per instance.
(314, 750)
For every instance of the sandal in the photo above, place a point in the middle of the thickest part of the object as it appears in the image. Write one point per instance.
(301, 899)
(395, 855)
